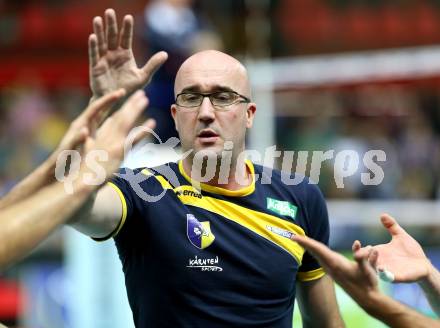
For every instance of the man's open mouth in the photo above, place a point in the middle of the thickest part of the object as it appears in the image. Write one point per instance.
(207, 136)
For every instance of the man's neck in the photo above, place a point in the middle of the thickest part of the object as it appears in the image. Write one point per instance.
(231, 177)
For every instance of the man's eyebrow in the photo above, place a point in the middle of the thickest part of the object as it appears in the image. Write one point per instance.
(215, 88)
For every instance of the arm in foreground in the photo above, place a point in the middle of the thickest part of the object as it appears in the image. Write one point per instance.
(75, 136)
(316, 297)
(317, 303)
(359, 280)
(431, 287)
(38, 204)
(26, 223)
(102, 213)
(37, 179)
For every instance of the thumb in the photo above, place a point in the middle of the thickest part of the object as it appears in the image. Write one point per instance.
(153, 65)
(81, 137)
(391, 225)
(73, 142)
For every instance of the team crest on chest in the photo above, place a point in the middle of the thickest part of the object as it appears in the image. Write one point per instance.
(199, 233)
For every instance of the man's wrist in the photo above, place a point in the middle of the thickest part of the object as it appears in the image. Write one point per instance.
(81, 187)
(47, 168)
(93, 98)
(427, 282)
(86, 185)
(381, 306)
(369, 300)
(97, 95)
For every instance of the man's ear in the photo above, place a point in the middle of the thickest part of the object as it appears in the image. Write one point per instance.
(173, 114)
(250, 113)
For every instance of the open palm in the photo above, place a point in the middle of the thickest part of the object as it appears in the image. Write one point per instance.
(403, 255)
(111, 59)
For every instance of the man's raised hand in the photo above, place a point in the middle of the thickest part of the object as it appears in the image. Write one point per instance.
(111, 61)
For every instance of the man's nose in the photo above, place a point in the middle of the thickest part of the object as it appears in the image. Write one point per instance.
(206, 110)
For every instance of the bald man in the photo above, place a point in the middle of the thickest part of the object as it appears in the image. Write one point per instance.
(205, 241)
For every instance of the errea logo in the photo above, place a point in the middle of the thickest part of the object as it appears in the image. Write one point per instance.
(282, 207)
(191, 194)
(188, 192)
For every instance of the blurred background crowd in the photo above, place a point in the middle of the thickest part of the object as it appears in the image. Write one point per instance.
(44, 85)
(44, 78)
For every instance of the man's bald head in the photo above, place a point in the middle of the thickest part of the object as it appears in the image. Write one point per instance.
(210, 70)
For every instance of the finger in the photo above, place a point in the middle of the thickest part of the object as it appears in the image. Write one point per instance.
(102, 115)
(98, 29)
(150, 124)
(111, 29)
(76, 140)
(101, 104)
(80, 138)
(147, 127)
(356, 246)
(127, 32)
(317, 249)
(93, 50)
(153, 65)
(374, 256)
(132, 108)
(391, 225)
(333, 263)
(363, 252)
(362, 260)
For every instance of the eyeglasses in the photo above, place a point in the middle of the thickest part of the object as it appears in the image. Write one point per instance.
(220, 100)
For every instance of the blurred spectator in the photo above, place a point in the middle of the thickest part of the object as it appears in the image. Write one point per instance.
(172, 26)
(418, 150)
(389, 118)
(31, 124)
